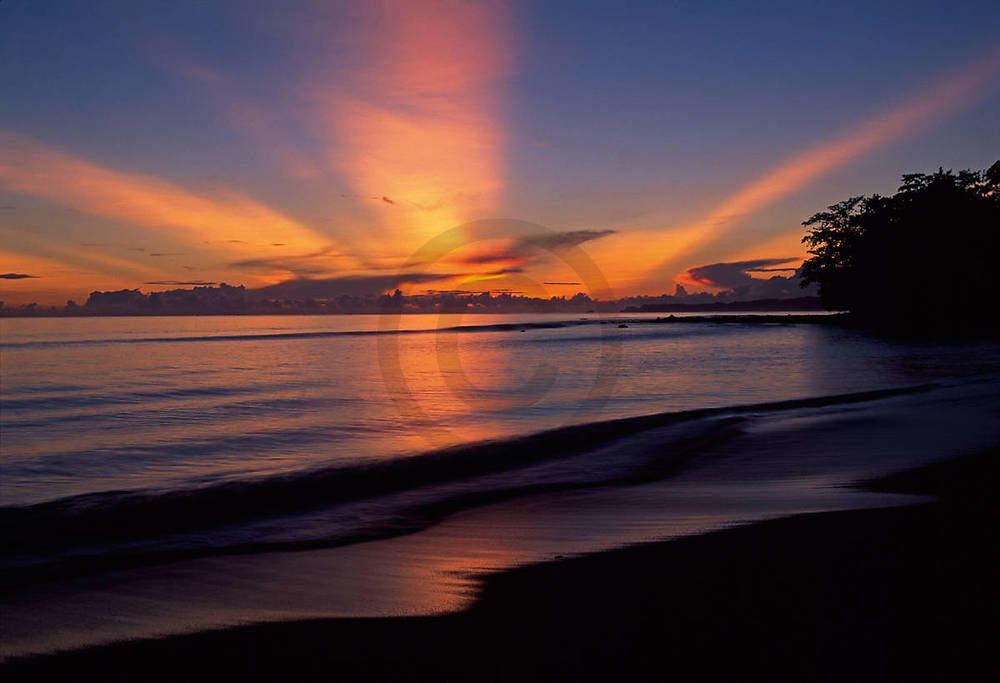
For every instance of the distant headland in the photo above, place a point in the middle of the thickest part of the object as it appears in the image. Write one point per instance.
(227, 299)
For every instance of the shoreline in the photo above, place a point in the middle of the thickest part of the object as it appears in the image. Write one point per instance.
(696, 313)
(295, 307)
(312, 488)
(878, 594)
(755, 318)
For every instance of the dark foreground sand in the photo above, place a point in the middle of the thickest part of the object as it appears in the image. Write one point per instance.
(890, 594)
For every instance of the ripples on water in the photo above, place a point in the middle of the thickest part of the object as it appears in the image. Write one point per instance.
(101, 407)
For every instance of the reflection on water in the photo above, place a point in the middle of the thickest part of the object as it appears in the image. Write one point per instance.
(119, 415)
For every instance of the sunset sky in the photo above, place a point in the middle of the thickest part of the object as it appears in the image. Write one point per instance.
(153, 144)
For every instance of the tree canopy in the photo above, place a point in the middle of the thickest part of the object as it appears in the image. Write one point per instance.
(921, 260)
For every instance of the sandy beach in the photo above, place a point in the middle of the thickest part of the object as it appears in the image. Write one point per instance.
(887, 594)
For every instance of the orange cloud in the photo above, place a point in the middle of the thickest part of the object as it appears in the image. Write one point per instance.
(233, 221)
(62, 273)
(942, 98)
(27, 245)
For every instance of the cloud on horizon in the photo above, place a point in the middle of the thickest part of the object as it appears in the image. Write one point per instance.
(365, 285)
(733, 274)
(16, 276)
(522, 250)
(733, 280)
(180, 282)
(571, 238)
(345, 285)
(301, 266)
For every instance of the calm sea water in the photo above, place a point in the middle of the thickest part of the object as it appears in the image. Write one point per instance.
(193, 433)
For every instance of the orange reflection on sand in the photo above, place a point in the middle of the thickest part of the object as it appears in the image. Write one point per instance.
(416, 132)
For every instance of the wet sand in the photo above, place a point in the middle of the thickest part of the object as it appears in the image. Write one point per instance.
(903, 593)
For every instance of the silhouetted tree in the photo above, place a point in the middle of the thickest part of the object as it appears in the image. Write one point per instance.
(923, 259)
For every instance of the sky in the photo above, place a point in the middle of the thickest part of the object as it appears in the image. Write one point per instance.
(154, 144)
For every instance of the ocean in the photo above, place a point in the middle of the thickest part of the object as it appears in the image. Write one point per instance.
(247, 450)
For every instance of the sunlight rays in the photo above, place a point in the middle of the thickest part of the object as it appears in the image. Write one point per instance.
(942, 98)
(229, 224)
(417, 128)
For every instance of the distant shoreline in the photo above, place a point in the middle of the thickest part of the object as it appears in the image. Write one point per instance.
(807, 305)
(797, 304)
(138, 305)
(754, 318)
(791, 315)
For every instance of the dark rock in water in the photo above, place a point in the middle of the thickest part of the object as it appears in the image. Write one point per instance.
(623, 325)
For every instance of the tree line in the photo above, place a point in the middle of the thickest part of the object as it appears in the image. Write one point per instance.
(921, 261)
